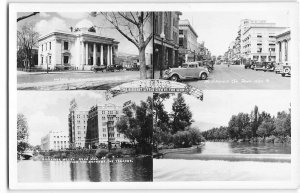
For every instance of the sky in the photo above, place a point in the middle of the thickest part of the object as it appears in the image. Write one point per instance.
(46, 110)
(219, 29)
(46, 22)
(217, 107)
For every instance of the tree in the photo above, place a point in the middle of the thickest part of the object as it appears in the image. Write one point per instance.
(22, 133)
(283, 124)
(26, 16)
(27, 40)
(132, 26)
(181, 114)
(254, 120)
(266, 128)
(137, 124)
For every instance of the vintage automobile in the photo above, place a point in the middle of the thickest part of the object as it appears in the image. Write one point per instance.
(98, 68)
(189, 70)
(259, 66)
(207, 64)
(285, 70)
(269, 66)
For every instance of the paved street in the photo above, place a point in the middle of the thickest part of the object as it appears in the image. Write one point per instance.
(74, 80)
(236, 77)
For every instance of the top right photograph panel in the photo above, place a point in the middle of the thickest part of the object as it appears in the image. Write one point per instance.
(224, 50)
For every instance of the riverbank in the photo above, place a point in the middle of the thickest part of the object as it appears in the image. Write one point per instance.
(87, 154)
(162, 152)
(270, 139)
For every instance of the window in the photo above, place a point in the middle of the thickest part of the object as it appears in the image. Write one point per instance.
(42, 47)
(66, 45)
(42, 59)
(98, 48)
(104, 135)
(49, 59)
(49, 45)
(66, 59)
(259, 50)
(104, 129)
(259, 36)
(181, 31)
(45, 46)
(118, 135)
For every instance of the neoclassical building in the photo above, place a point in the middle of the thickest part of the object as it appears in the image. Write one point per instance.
(283, 45)
(78, 50)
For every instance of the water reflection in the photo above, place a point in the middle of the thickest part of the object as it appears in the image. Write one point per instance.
(140, 169)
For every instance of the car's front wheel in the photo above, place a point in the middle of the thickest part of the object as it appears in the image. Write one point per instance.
(175, 78)
(203, 76)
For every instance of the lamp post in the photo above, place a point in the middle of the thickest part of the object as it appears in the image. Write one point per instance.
(157, 59)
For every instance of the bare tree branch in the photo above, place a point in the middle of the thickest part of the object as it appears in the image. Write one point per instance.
(26, 16)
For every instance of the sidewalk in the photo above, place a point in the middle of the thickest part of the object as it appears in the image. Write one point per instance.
(55, 72)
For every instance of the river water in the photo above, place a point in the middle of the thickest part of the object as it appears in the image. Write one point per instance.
(113, 170)
(224, 161)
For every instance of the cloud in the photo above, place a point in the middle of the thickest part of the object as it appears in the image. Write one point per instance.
(55, 23)
(40, 124)
(44, 14)
(73, 15)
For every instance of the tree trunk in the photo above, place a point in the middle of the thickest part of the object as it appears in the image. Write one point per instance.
(142, 60)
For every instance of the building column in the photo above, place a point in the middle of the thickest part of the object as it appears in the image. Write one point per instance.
(277, 52)
(101, 55)
(86, 53)
(108, 57)
(283, 51)
(82, 53)
(111, 55)
(94, 55)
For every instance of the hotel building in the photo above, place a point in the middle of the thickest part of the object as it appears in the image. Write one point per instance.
(101, 127)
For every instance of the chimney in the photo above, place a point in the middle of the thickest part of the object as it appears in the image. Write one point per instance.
(71, 28)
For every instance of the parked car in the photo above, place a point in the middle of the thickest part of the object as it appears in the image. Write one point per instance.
(269, 66)
(190, 70)
(285, 70)
(248, 64)
(259, 66)
(98, 68)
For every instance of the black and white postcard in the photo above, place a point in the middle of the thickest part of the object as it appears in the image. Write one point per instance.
(153, 96)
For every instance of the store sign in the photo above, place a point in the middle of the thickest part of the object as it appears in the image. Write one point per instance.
(154, 85)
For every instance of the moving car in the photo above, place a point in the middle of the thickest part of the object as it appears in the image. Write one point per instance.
(189, 70)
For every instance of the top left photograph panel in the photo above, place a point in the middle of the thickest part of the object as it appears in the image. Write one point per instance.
(83, 50)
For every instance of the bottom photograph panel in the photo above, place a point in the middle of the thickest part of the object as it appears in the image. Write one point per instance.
(229, 136)
(79, 136)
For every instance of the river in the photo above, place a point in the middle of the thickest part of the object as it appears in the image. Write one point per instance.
(109, 170)
(225, 161)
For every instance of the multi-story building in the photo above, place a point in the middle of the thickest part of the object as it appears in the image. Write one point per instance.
(55, 140)
(77, 125)
(259, 43)
(101, 128)
(283, 44)
(166, 39)
(78, 49)
(188, 45)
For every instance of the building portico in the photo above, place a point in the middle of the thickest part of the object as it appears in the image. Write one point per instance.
(76, 50)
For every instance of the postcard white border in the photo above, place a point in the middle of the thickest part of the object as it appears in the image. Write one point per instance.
(292, 7)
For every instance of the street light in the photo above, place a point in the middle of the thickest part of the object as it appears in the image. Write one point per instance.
(157, 59)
